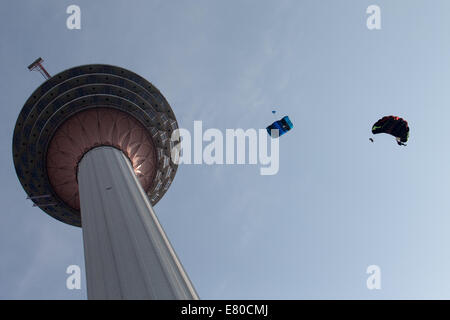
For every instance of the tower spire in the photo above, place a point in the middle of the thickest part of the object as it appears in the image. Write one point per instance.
(37, 65)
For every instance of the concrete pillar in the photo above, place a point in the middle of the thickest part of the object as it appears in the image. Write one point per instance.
(127, 253)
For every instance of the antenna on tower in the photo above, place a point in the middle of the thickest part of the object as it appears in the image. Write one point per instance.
(37, 65)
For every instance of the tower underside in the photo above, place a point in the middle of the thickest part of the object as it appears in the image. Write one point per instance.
(71, 95)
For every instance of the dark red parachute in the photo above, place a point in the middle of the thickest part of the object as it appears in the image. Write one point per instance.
(394, 126)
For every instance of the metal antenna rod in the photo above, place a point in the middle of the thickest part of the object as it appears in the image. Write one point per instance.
(37, 65)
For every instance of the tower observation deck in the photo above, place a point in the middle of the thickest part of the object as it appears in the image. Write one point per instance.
(92, 148)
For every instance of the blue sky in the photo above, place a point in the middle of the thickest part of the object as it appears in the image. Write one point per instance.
(338, 203)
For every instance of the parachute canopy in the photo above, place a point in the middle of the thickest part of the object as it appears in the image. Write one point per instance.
(394, 126)
(283, 125)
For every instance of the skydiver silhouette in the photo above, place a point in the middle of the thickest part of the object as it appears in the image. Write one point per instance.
(399, 141)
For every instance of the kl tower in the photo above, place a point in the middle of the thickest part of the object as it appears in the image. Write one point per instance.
(92, 148)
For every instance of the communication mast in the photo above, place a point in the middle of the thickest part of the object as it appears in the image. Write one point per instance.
(37, 65)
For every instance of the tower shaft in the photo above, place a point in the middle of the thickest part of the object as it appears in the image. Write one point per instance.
(127, 253)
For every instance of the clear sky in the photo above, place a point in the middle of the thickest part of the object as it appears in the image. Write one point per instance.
(338, 203)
